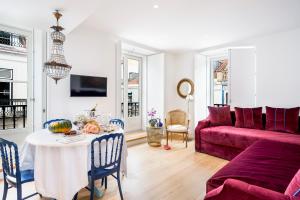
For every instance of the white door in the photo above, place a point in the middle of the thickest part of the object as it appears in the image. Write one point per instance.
(242, 77)
(16, 77)
(131, 92)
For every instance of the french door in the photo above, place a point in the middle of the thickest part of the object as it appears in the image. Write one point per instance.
(16, 77)
(131, 102)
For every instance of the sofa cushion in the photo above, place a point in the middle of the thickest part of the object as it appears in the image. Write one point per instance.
(282, 119)
(241, 138)
(219, 116)
(267, 164)
(294, 185)
(248, 117)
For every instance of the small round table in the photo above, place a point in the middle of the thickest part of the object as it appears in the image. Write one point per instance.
(154, 136)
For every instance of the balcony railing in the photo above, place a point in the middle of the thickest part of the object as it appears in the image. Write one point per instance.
(133, 109)
(13, 113)
(12, 39)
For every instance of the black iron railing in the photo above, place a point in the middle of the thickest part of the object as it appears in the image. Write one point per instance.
(12, 39)
(13, 113)
(133, 109)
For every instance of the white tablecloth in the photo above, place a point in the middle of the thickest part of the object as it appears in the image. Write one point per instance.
(60, 170)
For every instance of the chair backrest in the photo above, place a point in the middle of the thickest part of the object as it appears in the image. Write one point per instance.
(176, 117)
(118, 122)
(106, 152)
(10, 159)
(50, 121)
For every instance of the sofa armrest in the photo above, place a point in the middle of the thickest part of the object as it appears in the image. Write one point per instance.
(201, 125)
(235, 189)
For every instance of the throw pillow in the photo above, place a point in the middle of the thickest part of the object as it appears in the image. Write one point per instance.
(220, 116)
(282, 119)
(248, 117)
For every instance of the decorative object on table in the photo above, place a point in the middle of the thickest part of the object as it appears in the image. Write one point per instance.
(92, 112)
(154, 136)
(11, 170)
(185, 87)
(177, 122)
(71, 132)
(61, 126)
(80, 121)
(92, 126)
(56, 67)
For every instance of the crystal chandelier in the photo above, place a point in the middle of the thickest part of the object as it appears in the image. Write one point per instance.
(56, 67)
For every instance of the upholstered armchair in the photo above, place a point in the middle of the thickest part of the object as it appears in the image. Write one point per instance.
(177, 121)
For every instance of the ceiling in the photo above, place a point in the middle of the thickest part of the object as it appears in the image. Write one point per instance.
(174, 25)
(38, 13)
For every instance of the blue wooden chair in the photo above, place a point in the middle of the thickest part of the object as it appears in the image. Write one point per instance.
(102, 168)
(50, 121)
(13, 177)
(118, 122)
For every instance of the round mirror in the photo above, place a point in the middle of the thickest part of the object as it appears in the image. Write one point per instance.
(185, 87)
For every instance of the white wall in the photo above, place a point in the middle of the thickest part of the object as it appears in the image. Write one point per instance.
(178, 66)
(92, 53)
(278, 69)
(155, 84)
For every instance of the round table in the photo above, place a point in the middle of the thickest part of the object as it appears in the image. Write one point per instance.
(60, 167)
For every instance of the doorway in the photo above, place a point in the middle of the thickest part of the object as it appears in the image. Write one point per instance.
(16, 76)
(131, 89)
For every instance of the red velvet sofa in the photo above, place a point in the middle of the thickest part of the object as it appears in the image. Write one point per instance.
(228, 141)
(267, 170)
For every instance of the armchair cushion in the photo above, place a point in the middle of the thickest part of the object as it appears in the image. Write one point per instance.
(177, 128)
(235, 189)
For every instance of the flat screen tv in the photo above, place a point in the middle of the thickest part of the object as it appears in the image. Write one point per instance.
(88, 86)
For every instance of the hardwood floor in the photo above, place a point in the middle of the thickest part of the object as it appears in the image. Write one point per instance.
(157, 174)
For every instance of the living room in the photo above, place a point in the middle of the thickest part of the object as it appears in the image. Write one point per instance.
(191, 89)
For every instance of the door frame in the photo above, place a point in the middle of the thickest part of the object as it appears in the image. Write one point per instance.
(126, 56)
(30, 79)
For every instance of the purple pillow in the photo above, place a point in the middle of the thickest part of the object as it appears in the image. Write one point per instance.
(248, 117)
(282, 119)
(220, 116)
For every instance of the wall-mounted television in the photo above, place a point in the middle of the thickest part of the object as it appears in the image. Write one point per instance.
(88, 86)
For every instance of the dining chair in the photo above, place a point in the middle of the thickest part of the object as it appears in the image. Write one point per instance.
(106, 154)
(177, 121)
(118, 122)
(13, 176)
(50, 121)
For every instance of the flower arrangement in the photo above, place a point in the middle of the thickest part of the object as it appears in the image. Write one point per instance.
(154, 122)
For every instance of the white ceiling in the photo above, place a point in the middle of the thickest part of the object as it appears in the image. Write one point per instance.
(175, 25)
(194, 24)
(38, 13)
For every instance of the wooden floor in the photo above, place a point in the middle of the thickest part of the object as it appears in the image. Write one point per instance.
(157, 174)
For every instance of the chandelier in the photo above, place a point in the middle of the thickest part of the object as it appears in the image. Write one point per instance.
(56, 67)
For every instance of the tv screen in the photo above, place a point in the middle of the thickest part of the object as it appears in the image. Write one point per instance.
(88, 86)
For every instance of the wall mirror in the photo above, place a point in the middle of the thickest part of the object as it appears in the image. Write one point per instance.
(185, 87)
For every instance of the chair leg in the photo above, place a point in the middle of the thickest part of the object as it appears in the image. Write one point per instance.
(187, 137)
(105, 182)
(102, 181)
(75, 196)
(167, 138)
(119, 185)
(5, 190)
(19, 192)
(92, 185)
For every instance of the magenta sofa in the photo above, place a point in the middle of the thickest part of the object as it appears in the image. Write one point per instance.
(267, 170)
(228, 141)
